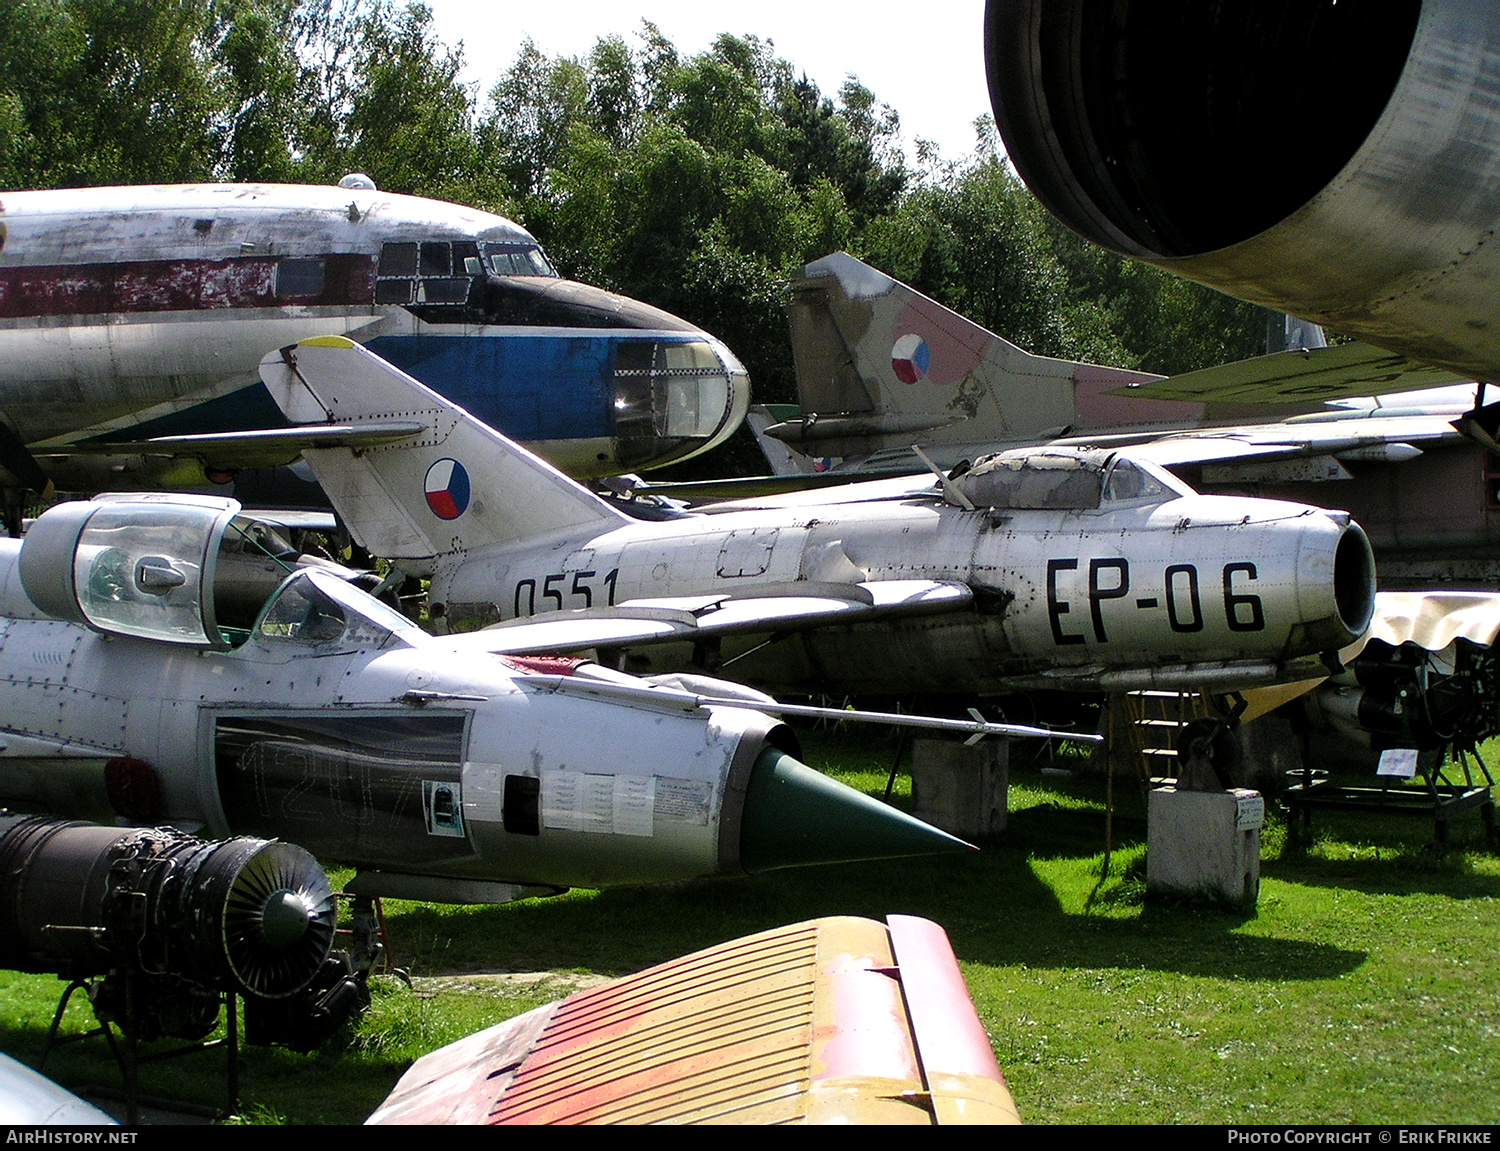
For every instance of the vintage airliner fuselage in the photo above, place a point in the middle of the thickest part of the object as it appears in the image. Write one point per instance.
(133, 313)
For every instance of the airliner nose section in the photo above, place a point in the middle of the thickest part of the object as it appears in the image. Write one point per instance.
(595, 382)
(543, 302)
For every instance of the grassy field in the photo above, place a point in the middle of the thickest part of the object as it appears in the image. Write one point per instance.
(1361, 990)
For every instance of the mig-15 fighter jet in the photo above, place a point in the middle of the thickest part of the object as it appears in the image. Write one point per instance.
(1033, 569)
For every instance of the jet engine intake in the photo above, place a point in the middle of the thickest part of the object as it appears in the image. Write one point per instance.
(1354, 580)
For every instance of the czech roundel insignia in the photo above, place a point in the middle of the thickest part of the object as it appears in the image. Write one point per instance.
(447, 488)
(911, 358)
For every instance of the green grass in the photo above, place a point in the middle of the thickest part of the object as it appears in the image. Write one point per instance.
(1361, 989)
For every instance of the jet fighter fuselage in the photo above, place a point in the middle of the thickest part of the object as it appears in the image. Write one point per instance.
(128, 314)
(1036, 568)
(1139, 581)
(333, 722)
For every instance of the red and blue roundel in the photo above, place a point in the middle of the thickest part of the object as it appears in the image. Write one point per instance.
(911, 358)
(447, 488)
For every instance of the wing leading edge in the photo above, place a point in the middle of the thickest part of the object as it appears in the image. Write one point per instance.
(691, 618)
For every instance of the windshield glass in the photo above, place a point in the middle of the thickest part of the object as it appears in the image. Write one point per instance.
(317, 609)
(517, 260)
(1126, 481)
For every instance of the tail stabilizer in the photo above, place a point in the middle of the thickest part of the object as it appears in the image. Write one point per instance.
(455, 486)
(881, 366)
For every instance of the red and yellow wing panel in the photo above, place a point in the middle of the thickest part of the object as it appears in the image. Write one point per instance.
(837, 1020)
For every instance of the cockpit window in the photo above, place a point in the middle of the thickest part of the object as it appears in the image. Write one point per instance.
(680, 388)
(317, 609)
(1126, 481)
(141, 568)
(445, 272)
(397, 260)
(517, 260)
(437, 259)
(1059, 480)
(304, 614)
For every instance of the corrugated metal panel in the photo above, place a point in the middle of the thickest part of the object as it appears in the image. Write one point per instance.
(805, 1024)
(689, 1040)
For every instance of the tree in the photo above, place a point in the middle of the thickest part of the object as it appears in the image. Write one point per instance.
(113, 91)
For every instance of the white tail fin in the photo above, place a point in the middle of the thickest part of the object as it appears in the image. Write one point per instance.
(457, 486)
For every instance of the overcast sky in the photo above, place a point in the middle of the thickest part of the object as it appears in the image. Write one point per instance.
(926, 61)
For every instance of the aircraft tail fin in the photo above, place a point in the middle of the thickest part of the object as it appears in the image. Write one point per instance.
(881, 366)
(454, 486)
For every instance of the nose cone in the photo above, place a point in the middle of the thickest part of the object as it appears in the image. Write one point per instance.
(676, 391)
(795, 816)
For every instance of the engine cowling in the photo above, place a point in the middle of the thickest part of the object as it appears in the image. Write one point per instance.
(1336, 161)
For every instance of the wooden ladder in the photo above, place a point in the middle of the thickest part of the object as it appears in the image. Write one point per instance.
(1150, 722)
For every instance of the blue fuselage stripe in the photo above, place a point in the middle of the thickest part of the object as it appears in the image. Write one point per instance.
(529, 387)
(552, 387)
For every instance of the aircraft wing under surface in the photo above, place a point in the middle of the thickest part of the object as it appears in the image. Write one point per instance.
(273, 447)
(692, 618)
(1352, 369)
(838, 1020)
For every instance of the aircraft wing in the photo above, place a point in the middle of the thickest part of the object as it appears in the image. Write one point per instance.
(270, 448)
(1360, 436)
(838, 1020)
(30, 1099)
(1352, 369)
(691, 618)
(1354, 434)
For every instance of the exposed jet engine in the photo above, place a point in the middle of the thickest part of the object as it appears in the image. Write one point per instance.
(170, 922)
(1428, 678)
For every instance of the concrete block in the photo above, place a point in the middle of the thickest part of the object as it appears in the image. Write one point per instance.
(963, 790)
(1204, 844)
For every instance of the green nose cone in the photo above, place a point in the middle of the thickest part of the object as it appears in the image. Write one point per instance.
(795, 816)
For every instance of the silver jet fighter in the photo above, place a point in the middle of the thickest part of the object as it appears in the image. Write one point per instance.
(333, 722)
(1034, 569)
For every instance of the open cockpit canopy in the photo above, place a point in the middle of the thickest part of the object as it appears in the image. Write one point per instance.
(191, 570)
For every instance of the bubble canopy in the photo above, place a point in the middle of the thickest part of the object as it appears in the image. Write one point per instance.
(138, 565)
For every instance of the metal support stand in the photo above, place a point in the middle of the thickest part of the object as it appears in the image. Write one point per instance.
(1443, 798)
(129, 1060)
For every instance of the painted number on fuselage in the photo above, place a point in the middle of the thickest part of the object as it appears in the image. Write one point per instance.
(1109, 579)
(558, 589)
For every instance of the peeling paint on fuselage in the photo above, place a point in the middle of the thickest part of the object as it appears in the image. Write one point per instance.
(104, 294)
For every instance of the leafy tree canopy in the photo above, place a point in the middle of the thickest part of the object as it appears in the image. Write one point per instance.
(695, 182)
